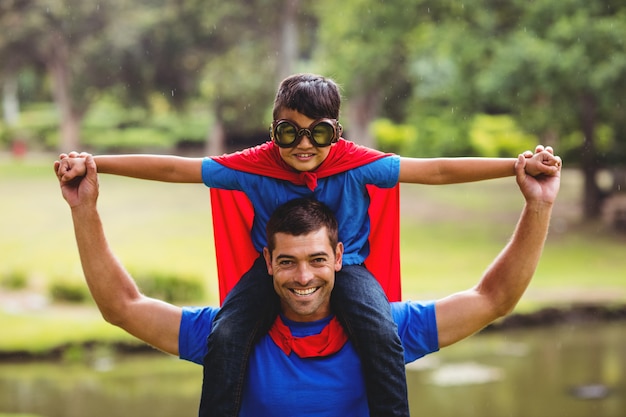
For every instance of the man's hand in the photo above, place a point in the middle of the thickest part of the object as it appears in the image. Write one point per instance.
(80, 190)
(71, 166)
(542, 161)
(538, 188)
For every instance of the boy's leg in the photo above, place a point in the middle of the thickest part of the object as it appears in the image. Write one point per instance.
(362, 307)
(248, 312)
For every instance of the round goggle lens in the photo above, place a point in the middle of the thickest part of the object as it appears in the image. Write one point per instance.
(287, 134)
(323, 134)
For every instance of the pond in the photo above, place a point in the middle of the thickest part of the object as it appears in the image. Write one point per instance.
(565, 370)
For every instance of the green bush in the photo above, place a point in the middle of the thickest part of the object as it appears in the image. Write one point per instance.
(38, 125)
(69, 292)
(395, 138)
(499, 136)
(14, 280)
(170, 288)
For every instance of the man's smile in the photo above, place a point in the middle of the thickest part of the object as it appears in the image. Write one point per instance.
(304, 292)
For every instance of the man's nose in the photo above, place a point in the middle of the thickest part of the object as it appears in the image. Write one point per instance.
(304, 274)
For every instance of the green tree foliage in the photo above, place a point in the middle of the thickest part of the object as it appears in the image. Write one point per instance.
(557, 67)
(560, 70)
(71, 40)
(363, 46)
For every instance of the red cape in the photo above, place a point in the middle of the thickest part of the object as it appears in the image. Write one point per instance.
(233, 213)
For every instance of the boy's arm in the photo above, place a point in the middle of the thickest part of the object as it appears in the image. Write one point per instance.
(165, 168)
(437, 171)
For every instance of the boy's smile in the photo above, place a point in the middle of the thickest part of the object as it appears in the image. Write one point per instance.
(304, 156)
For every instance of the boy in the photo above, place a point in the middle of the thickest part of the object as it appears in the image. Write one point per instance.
(306, 157)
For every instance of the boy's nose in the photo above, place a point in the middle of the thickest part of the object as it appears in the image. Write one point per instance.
(305, 140)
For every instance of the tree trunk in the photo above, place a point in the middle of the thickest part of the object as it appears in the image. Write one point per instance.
(592, 195)
(57, 63)
(288, 52)
(216, 139)
(362, 110)
(10, 101)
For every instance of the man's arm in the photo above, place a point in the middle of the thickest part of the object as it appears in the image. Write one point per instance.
(437, 171)
(111, 286)
(167, 168)
(506, 279)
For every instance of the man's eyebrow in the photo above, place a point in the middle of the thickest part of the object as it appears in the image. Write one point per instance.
(310, 255)
(318, 254)
(284, 256)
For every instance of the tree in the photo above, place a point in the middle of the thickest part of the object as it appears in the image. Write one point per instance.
(557, 67)
(70, 39)
(363, 44)
(560, 68)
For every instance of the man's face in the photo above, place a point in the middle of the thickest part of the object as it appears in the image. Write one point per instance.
(304, 269)
(305, 156)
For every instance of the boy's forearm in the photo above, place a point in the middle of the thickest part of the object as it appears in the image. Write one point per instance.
(439, 171)
(166, 168)
(459, 170)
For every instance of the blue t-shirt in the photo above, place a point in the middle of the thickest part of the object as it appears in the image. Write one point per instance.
(277, 384)
(344, 193)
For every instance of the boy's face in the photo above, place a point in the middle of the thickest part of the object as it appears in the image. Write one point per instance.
(304, 156)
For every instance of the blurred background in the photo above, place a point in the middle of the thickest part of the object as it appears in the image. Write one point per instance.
(419, 78)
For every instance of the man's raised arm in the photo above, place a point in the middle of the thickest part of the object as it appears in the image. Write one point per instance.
(506, 279)
(111, 286)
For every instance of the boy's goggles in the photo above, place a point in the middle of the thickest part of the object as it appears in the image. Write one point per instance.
(322, 132)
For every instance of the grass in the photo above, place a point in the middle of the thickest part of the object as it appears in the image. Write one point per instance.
(449, 236)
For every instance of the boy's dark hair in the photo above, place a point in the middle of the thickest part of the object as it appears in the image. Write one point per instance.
(314, 96)
(301, 216)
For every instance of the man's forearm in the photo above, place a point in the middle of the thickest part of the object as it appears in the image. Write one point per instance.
(510, 274)
(108, 281)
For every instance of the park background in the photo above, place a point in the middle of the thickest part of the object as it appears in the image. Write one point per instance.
(419, 78)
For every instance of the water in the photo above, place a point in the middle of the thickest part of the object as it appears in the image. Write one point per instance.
(549, 372)
(573, 371)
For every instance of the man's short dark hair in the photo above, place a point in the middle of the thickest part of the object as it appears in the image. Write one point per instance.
(314, 96)
(301, 216)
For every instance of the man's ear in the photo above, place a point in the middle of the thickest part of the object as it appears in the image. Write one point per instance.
(338, 257)
(268, 260)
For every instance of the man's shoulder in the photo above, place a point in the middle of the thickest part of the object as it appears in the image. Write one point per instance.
(195, 326)
(417, 327)
(401, 310)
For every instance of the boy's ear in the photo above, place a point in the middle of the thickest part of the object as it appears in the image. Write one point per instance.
(268, 260)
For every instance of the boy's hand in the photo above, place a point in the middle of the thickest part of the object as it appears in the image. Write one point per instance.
(542, 162)
(71, 166)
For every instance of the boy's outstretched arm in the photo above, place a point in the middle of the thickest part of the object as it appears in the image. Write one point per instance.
(438, 171)
(167, 168)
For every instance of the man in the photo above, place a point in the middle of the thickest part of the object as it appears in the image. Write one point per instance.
(306, 156)
(290, 373)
